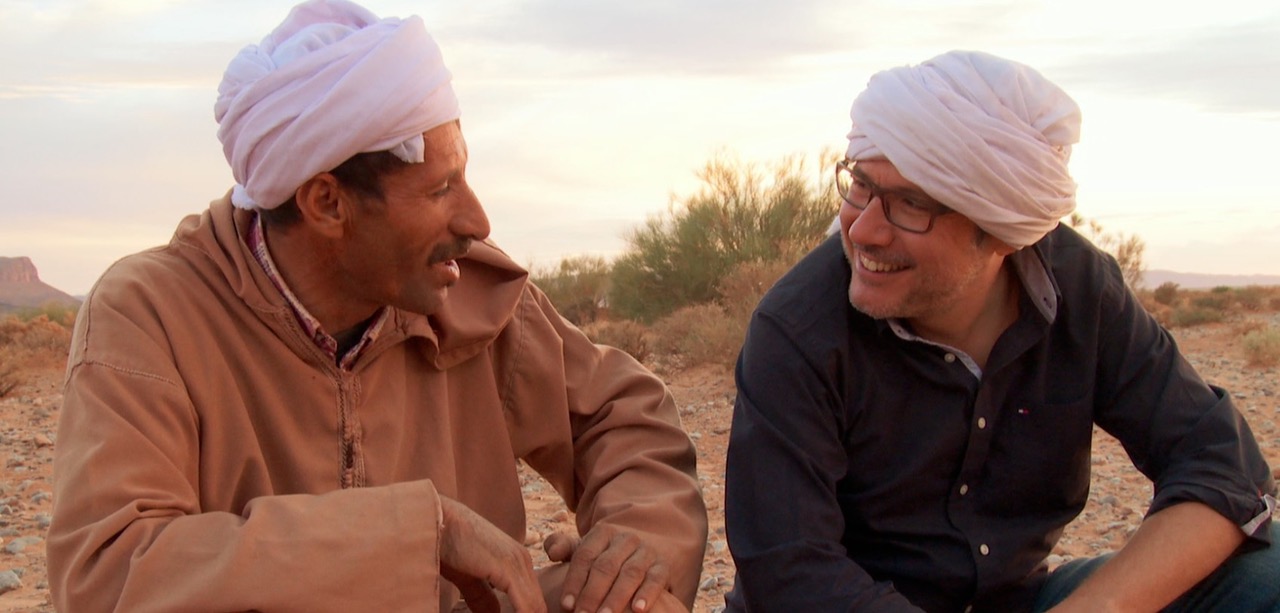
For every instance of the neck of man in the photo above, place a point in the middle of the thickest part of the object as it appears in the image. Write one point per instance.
(310, 269)
(976, 320)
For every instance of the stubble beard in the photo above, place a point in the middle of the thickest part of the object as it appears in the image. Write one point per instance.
(932, 292)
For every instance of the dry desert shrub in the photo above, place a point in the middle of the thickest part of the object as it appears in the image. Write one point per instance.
(1252, 297)
(1166, 294)
(1162, 312)
(38, 337)
(702, 334)
(1246, 326)
(10, 376)
(626, 335)
(1262, 347)
(746, 284)
(38, 343)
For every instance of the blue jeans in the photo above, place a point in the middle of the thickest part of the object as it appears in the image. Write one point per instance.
(1246, 583)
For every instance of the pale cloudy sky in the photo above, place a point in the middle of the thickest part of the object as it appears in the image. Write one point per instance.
(586, 116)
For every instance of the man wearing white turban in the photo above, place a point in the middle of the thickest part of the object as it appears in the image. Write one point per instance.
(917, 397)
(314, 398)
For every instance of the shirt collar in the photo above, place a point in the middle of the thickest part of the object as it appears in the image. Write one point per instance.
(257, 242)
(1036, 283)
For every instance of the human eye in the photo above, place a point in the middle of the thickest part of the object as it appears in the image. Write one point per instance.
(918, 205)
(859, 188)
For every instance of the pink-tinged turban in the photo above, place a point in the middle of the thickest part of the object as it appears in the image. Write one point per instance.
(988, 137)
(332, 81)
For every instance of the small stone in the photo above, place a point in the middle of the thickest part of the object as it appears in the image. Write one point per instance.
(561, 515)
(41, 440)
(44, 520)
(1115, 525)
(18, 545)
(40, 497)
(708, 583)
(9, 581)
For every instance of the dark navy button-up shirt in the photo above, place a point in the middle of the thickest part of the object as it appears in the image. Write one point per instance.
(871, 470)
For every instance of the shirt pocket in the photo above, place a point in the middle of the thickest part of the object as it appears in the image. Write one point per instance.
(1040, 456)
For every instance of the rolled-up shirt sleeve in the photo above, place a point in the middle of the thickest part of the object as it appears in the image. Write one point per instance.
(1185, 435)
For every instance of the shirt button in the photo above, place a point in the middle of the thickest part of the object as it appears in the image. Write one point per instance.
(949, 358)
(982, 423)
(983, 549)
(964, 489)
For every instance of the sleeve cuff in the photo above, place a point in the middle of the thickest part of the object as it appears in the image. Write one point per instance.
(1253, 526)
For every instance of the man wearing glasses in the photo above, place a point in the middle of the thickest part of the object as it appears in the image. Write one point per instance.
(916, 399)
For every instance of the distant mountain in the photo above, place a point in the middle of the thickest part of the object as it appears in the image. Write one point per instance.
(1190, 280)
(21, 287)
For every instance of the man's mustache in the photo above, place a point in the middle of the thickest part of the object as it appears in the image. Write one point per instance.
(450, 251)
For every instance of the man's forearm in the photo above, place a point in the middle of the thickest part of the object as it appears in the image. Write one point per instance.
(1171, 552)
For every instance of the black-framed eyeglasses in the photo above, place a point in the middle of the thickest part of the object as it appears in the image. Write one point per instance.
(911, 212)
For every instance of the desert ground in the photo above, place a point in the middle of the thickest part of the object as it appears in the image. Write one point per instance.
(1118, 498)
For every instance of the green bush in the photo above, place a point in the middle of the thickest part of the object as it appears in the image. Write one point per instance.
(1262, 347)
(578, 286)
(1215, 301)
(680, 258)
(1184, 317)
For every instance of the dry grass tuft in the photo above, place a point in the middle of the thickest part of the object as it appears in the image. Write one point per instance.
(702, 334)
(1262, 347)
(626, 335)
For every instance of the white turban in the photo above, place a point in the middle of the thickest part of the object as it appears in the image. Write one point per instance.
(330, 82)
(988, 137)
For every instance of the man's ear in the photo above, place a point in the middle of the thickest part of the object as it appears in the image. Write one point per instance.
(325, 206)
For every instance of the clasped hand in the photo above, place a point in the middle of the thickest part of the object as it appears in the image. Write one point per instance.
(608, 571)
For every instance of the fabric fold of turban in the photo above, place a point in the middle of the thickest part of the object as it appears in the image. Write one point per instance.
(986, 136)
(332, 81)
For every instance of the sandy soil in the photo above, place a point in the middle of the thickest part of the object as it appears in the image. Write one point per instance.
(1118, 498)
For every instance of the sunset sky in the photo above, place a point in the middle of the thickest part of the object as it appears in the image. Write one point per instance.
(585, 116)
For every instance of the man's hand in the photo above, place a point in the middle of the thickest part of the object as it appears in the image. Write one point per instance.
(477, 557)
(610, 571)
